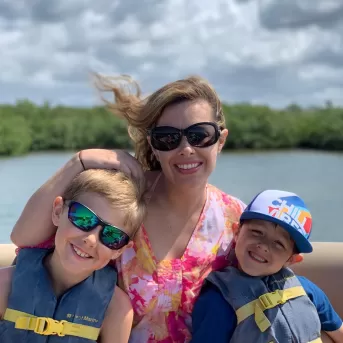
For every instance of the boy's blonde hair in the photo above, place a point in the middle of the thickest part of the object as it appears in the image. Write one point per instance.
(118, 189)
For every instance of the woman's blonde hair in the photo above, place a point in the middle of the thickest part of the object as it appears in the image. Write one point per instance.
(143, 113)
(119, 190)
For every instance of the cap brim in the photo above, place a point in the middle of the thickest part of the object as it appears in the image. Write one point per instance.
(302, 244)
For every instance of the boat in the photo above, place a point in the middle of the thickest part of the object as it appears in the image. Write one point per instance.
(324, 267)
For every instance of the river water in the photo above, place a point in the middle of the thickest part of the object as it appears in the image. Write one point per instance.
(315, 176)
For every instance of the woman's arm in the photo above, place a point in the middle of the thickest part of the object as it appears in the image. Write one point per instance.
(117, 324)
(34, 225)
(5, 287)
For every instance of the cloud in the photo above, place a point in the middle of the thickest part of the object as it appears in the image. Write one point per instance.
(266, 51)
(299, 14)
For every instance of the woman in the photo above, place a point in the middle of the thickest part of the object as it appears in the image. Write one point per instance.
(178, 132)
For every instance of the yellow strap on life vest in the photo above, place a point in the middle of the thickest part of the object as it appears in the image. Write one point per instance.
(317, 340)
(48, 326)
(265, 302)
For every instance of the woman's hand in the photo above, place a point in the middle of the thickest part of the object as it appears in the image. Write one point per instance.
(30, 229)
(112, 159)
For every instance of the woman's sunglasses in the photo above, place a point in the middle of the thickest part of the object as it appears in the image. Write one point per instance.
(86, 220)
(200, 135)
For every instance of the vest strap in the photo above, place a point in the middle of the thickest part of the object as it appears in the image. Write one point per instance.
(49, 326)
(265, 302)
(317, 340)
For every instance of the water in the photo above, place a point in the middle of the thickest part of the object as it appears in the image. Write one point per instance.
(317, 177)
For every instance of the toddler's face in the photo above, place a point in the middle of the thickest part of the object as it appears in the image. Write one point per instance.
(262, 248)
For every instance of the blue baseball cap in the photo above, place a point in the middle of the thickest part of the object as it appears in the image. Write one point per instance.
(285, 209)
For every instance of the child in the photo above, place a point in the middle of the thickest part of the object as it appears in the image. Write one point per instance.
(69, 294)
(262, 300)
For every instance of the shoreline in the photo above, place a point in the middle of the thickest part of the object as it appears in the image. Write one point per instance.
(224, 151)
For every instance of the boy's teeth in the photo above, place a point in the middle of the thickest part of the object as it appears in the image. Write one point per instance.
(188, 166)
(80, 253)
(258, 258)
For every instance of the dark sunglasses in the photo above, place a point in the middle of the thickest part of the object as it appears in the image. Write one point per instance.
(200, 135)
(86, 220)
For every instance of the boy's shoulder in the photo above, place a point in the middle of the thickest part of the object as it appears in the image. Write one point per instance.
(32, 254)
(314, 292)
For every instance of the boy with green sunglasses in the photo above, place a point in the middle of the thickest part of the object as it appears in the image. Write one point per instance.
(69, 293)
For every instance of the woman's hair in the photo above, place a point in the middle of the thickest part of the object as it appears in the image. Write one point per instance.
(119, 190)
(143, 113)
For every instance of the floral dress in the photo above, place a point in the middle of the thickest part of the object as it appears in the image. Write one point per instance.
(163, 292)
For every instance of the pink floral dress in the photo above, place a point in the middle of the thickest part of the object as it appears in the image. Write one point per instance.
(163, 293)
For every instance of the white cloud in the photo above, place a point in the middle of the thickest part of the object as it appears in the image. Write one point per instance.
(266, 51)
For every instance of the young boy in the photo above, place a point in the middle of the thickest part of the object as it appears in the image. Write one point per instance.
(262, 300)
(69, 293)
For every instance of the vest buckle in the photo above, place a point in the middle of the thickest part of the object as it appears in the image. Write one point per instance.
(48, 326)
(272, 299)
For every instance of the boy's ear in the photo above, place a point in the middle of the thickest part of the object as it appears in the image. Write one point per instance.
(57, 210)
(296, 258)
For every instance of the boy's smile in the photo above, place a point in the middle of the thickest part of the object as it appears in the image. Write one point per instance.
(256, 257)
(79, 252)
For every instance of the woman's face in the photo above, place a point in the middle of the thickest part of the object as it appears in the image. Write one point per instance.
(186, 164)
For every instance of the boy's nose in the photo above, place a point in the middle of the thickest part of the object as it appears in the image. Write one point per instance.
(92, 238)
(263, 246)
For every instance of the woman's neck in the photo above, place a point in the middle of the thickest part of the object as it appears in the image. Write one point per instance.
(61, 279)
(182, 198)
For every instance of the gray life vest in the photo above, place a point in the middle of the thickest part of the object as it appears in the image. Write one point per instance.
(271, 309)
(34, 313)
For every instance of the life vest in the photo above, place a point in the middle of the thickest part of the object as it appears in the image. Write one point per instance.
(271, 309)
(35, 315)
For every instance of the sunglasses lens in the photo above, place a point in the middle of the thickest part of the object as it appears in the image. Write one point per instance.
(82, 217)
(113, 238)
(165, 138)
(202, 135)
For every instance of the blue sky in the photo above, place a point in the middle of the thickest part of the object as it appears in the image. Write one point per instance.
(262, 51)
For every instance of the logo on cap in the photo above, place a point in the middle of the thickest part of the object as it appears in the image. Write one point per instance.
(291, 210)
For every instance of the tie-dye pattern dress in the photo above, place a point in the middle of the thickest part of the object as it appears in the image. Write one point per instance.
(163, 292)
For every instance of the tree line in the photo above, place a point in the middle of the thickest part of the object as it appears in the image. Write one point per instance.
(26, 127)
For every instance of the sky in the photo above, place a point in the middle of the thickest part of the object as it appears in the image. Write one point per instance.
(273, 52)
